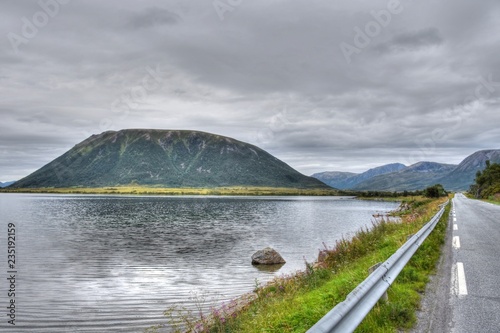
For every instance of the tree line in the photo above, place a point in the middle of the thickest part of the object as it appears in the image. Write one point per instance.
(434, 191)
(487, 182)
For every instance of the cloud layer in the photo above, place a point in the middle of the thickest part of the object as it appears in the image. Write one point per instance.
(321, 85)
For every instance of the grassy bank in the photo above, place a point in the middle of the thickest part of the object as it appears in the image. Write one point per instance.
(144, 190)
(295, 303)
(494, 199)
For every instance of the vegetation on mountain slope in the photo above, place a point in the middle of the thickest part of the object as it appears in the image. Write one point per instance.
(487, 183)
(464, 174)
(414, 177)
(417, 176)
(169, 159)
(347, 180)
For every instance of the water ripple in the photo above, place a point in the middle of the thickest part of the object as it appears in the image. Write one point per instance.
(114, 264)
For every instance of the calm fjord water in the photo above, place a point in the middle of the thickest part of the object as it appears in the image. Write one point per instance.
(115, 263)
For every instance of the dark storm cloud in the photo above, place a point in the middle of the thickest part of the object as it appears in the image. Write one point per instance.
(412, 41)
(154, 17)
(418, 38)
(424, 83)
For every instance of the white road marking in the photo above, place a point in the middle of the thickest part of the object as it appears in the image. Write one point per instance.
(456, 242)
(462, 284)
(455, 227)
(454, 219)
(458, 283)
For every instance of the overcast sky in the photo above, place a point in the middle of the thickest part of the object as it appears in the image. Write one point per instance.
(322, 85)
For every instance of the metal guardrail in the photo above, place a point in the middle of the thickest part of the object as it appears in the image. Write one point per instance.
(346, 316)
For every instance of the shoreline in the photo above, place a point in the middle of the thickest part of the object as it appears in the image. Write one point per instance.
(320, 274)
(143, 190)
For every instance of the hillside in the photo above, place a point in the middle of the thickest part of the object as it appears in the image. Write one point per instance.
(335, 179)
(487, 182)
(414, 177)
(166, 158)
(463, 176)
(347, 180)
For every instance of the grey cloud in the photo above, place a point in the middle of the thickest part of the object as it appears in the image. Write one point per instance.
(412, 41)
(154, 17)
(416, 39)
(269, 73)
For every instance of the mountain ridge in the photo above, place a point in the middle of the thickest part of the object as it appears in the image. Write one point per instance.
(170, 158)
(414, 177)
(5, 184)
(421, 175)
(463, 176)
(346, 180)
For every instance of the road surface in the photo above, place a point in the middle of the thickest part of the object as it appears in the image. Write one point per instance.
(464, 296)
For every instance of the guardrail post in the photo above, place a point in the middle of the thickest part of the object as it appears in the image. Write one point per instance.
(384, 297)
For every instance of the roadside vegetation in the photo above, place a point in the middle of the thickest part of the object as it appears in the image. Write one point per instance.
(487, 183)
(145, 190)
(296, 302)
(378, 195)
(434, 191)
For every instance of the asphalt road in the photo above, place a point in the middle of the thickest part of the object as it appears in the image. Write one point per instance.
(464, 296)
(476, 305)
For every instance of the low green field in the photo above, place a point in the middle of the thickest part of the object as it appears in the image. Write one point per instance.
(295, 303)
(143, 190)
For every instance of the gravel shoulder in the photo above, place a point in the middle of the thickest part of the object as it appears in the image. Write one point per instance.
(435, 315)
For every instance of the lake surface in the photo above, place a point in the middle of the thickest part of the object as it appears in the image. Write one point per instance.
(115, 263)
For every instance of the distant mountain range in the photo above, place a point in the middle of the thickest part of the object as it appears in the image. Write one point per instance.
(6, 184)
(348, 180)
(166, 158)
(398, 177)
(414, 177)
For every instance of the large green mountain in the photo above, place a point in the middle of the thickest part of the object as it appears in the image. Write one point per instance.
(168, 159)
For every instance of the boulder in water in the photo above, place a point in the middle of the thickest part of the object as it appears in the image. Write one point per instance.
(267, 256)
